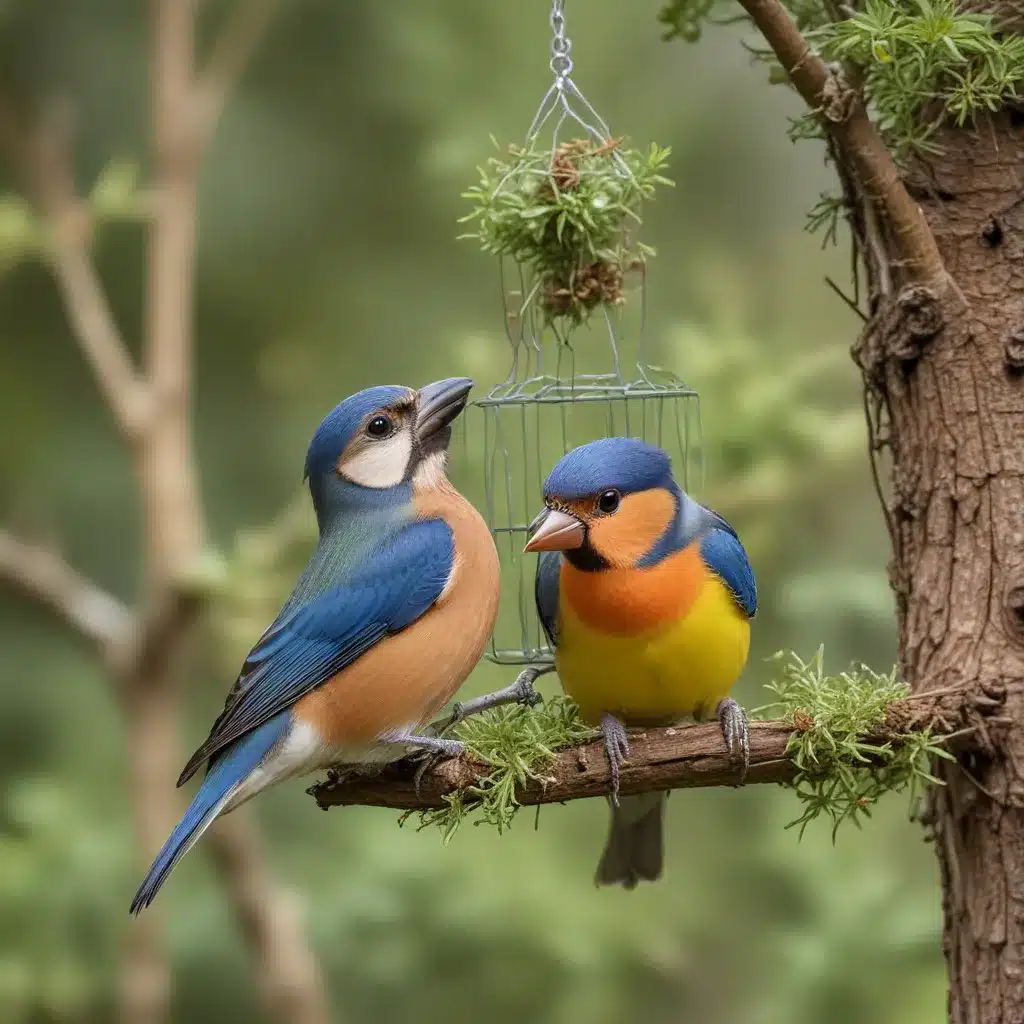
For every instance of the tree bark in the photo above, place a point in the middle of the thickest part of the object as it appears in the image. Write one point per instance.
(946, 398)
(942, 357)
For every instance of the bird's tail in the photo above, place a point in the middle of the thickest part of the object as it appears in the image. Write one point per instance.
(635, 847)
(225, 776)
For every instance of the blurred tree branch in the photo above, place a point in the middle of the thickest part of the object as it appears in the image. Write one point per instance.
(683, 757)
(238, 40)
(39, 153)
(44, 576)
(152, 410)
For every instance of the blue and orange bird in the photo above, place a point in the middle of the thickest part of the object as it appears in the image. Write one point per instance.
(385, 622)
(646, 597)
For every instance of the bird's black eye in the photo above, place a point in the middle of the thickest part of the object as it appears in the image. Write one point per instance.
(378, 427)
(608, 502)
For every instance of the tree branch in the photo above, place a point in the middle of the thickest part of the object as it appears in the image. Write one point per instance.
(41, 574)
(152, 409)
(855, 135)
(684, 757)
(40, 153)
(239, 39)
(287, 971)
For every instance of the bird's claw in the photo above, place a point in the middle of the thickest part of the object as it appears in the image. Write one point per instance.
(522, 691)
(616, 745)
(430, 756)
(525, 692)
(732, 720)
(434, 748)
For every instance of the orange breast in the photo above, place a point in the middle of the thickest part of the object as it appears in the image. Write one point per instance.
(625, 602)
(409, 677)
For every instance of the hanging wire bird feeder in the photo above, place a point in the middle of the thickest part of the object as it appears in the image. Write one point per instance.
(561, 214)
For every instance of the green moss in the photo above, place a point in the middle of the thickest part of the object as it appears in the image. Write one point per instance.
(840, 773)
(516, 742)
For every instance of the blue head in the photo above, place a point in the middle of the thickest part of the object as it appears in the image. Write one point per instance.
(614, 503)
(373, 448)
(624, 464)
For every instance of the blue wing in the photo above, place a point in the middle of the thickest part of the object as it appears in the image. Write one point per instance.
(316, 640)
(723, 554)
(545, 591)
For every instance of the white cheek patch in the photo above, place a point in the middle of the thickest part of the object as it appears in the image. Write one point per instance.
(430, 472)
(378, 464)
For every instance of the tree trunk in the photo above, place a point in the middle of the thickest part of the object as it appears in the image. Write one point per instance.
(946, 397)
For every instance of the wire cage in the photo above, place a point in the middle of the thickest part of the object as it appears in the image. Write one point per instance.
(578, 364)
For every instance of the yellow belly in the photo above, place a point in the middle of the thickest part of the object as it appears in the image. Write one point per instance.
(668, 674)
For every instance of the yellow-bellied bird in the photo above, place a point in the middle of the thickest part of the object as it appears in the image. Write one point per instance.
(646, 597)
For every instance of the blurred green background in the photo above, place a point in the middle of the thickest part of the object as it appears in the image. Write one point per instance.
(328, 262)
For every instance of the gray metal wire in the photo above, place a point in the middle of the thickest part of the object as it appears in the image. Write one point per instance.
(541, 411)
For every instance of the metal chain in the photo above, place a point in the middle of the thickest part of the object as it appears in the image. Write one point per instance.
(561, 45)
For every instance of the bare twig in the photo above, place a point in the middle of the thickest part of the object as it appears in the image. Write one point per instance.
(685, 757)
(97, 334)
(40, 154)
(44, 576)
(288, 972)
(169, 485)
(846, 298)
(237, 43)
(857, 138)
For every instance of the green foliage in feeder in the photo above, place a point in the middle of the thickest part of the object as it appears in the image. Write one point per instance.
(568, 218)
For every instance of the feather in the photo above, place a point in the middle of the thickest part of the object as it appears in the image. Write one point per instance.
(316, 640)
(724, 555)
(549, 569)
(230, 770)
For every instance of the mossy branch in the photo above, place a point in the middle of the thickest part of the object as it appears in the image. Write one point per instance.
(840, 742)
(845, 118)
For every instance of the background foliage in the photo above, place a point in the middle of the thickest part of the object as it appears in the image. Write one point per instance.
(328, 262)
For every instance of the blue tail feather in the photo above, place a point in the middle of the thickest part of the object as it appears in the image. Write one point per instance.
(234, 765)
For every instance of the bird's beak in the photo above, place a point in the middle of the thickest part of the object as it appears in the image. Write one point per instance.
(439, 404)
(555, 531)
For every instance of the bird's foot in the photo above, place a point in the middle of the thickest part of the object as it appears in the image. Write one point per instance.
(431, 744)
(616, 745)
(433, 748)
(736, 732)
(520, 692)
